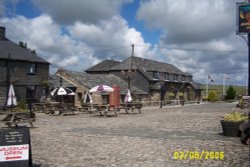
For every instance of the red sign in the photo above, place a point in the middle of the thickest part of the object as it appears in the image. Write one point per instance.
(14, 152)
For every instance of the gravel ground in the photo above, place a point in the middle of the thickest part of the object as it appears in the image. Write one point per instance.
(149, 139)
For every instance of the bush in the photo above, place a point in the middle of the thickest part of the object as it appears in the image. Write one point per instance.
(212, 96)
(21, 106)
(231, 93)
(235, 117)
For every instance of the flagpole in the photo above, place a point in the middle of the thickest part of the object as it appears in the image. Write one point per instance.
(207, 88)
(248, 87)
(246, 84)
(223, 84)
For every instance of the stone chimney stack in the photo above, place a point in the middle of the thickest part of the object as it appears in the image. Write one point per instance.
(2, 33)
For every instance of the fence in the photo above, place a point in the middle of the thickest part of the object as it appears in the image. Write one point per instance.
(167, 103)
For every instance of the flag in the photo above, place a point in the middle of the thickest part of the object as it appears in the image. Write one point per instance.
(210, 78)
(226, 76)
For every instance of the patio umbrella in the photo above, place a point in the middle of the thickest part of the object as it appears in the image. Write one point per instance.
(11, 101)
(43, 96)
(87, 98)
(128, 97)
(101, 89)
(62, 91)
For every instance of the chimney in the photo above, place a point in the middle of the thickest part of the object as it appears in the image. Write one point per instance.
(2, 33)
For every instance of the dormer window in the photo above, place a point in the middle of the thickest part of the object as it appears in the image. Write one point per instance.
(183, 78)
(175, 77)
(167, 76)
(156, 75)
(170, 76)
(179, 78)
(32, 69)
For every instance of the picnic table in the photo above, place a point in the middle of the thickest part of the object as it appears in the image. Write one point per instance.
(38, 107)
(131, 106)
(60, 108)
(15, 118)
(103, 109)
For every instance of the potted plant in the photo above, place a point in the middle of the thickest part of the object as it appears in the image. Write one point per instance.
(231, 122)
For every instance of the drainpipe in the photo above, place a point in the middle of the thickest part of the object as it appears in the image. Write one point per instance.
(7, 76)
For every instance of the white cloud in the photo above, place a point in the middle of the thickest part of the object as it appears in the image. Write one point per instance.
(113, 34)
(78, 46)
(189, 21)
(199, 36)
(45, 36)
(68, 12)
(68, 61)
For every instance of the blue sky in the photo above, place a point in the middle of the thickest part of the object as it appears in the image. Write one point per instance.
(78, 34)
(129, 13)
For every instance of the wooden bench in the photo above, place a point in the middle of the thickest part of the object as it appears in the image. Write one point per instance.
(15, 118)
(131, 106)
(103, 109)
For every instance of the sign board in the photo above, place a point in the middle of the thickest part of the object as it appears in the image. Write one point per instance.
(243, 18)
(15, 148)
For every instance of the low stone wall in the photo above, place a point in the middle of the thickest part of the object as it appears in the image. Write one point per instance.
(244, 102)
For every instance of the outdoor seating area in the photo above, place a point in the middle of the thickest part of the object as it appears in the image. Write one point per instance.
(56, 108)
(155, 135)
(17, 118)
(131, 107)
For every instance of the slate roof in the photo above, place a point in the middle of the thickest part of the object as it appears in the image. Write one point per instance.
(196, 86)
(54, 81)
(105, 66)
(16, 52)
(147, 65)
(91, 80)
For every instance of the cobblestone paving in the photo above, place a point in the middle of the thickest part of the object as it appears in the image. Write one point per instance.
(137, 140)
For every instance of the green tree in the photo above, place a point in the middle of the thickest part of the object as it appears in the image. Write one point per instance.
(212, 96)
(25, 46)
(231, 93)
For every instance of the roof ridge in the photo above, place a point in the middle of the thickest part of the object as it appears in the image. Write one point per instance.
(18, 53)
(101, 65)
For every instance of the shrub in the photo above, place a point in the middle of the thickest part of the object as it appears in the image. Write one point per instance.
(21, 106)
(235, 117)
(231, 93)
(212, 96)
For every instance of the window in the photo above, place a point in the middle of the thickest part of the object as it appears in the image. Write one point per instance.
(183, 78)
(175, 77)
(32, 69)
(170, 76)
(30, 92)
(179, 78)
(156, 75)
(167, 76)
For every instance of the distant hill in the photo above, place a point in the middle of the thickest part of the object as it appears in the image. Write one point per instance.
(240, 90)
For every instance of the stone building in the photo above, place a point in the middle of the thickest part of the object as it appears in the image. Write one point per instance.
(25, 70)
(149, 80)
(81, 83)
(161, 81)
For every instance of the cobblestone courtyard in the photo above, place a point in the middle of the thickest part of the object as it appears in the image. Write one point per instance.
(132, 140)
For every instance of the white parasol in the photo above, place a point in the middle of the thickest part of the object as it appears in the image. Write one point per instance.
(11, 101)
(101, 89)
(87, 98)
(128, 97)
(62, 91)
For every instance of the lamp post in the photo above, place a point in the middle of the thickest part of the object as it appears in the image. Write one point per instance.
(248, 44)
(7, 76)
(131, 67)
(243, 21)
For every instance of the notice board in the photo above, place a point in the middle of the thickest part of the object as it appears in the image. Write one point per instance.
(15, 147)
